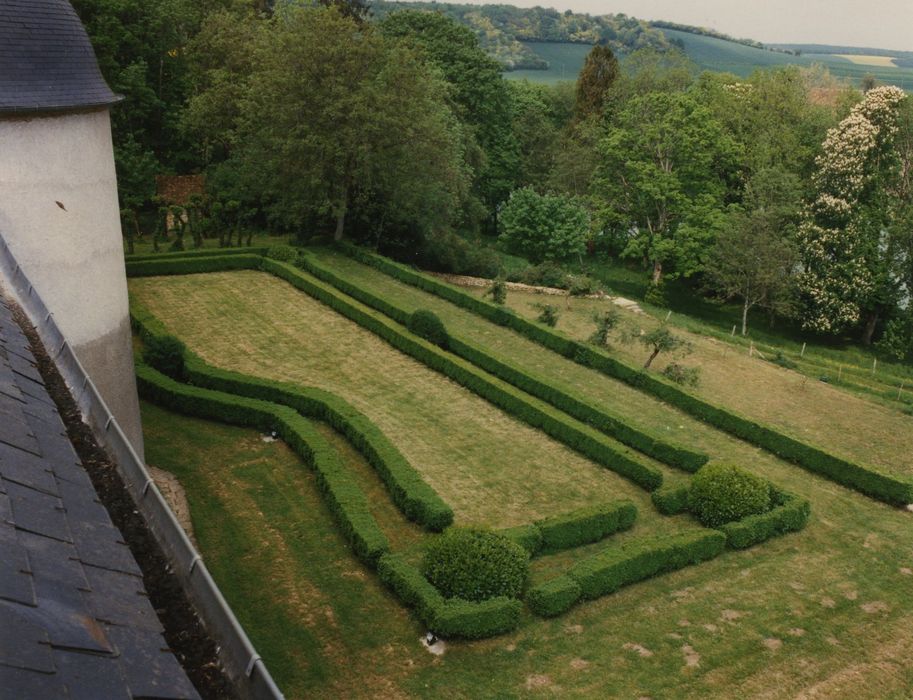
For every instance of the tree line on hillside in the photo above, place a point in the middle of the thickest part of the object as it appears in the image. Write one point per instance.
(500, 29)
(786, 191)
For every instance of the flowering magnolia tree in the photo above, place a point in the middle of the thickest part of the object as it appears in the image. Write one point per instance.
(844, 237)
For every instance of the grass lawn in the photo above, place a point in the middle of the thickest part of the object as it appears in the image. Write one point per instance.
(810, 410)
(256, 324)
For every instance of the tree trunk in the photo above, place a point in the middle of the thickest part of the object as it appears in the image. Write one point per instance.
(745, 318)
(341, 216)
(651, 358)
(869, 329)
(657, 272)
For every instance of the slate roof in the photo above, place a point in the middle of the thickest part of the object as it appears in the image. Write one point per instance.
(46, 60)
(75, 619)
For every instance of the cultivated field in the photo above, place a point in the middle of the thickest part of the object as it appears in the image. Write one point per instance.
(819, 613)
(710, 53)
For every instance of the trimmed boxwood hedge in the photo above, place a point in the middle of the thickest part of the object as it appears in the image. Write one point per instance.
(615, 567)
(724, 493)
(345, 499)
(447, 618)
(671, 500)
(789, 514)
(409, 491)
(865, 479)
(197, 253)
(553, 597)
(427, 325)
(527, 536)
(188, 265)
(545, 390)
(585, 525)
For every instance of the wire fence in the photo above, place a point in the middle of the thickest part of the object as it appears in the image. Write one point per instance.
(241, 661)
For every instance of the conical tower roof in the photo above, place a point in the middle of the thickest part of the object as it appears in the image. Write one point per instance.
(46, 60)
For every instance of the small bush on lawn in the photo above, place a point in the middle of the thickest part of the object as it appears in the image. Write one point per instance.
(723, 493)
(548, 314)
(497, 291)
(545, 274)
(476, 565)
(605, 322)
(427, 325)
(166, 354)
(582, 285)
(686, 376)
(282, 253)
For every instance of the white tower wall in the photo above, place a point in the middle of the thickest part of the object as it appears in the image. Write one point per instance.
(60, 217)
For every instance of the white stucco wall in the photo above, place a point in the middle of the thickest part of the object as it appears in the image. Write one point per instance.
(60, 217)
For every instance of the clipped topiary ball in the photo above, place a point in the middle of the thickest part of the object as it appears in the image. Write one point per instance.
(722, 493)
(166, 354)
(427, 325)
(476, 565)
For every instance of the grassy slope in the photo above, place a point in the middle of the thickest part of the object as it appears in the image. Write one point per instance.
(852, 364)
(815, 411)
(712, 54)
(256, 324)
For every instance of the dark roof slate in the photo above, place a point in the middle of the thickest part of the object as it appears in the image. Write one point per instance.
(75, 618)
(46, 60)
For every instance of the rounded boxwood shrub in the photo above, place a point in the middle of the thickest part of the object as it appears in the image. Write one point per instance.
(166, 354)
(722, 493)
(476, 565)
(427, 325)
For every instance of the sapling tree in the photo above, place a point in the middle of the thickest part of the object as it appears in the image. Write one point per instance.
(660, 340)
(605, 321)
(498, 291)
(548, 314)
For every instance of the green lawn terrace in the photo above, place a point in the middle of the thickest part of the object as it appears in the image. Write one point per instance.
(708, 625)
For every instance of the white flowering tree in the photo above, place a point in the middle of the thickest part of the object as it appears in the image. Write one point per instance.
(845, 238)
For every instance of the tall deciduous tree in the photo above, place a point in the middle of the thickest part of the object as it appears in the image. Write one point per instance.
(664, 164)
(599, 72)
(330, 115)
(478, 94)
(544, 227)
(754, 257)
(849, 250)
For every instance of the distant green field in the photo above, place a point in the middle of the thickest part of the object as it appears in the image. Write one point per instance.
(709, 53)
(564, 62)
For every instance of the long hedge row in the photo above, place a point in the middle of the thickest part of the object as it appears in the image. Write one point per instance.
(572, 529)
(615, 567)
(196, 253)
(865, 479)
(585, 525)
(605, 422)
(447, 618)
(345, 499)
(408, 490)
(582, 438)
(789, 514)
(188, 265)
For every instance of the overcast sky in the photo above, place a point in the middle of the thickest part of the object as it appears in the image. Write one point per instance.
(886, 24)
